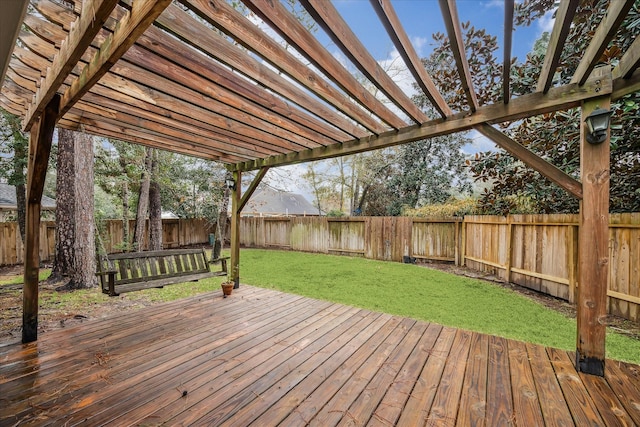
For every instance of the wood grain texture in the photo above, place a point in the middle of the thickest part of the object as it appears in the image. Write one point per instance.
(94, 14)
(265, 358)
(593, 236)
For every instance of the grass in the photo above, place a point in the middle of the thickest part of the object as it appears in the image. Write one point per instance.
(80, 301)
(400, 289)
(420, 293)
(16, 280)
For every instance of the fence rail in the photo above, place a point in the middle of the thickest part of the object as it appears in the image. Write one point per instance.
(536, 251)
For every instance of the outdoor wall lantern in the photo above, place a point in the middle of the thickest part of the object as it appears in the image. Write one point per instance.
(231, 184)
(598, 123)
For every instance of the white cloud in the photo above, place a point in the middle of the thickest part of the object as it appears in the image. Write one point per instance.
(545, 24)
(418, 43)
(494, 4)
(396, 68)
(479, 143)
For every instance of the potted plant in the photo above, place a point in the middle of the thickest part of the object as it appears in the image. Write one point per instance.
(227, 287)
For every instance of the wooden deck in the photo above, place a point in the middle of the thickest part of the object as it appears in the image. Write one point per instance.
(264, 358)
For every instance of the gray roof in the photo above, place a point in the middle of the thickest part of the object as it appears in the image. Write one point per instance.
(269, 202)
(8, 198)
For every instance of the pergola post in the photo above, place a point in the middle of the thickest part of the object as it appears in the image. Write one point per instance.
(39, 149)
(593, 252)
(236, 194)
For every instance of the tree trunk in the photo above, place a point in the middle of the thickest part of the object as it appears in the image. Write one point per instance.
(155, 207)
(83, 276)
(21, 204)
(126, 235)
(21, 190)
(143, 202)
(64, 260)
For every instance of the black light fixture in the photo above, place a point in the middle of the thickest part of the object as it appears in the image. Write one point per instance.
(598, 123)
(231, 183)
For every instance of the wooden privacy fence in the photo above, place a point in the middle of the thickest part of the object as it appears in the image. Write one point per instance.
(536, 251)
(381, 238)
(12, 247)
(175, 233)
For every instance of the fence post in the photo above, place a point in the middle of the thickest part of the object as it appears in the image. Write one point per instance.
(509, 247)
(463, 240)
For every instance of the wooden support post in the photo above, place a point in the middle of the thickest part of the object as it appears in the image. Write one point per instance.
(39, 150)
(593, 256)
(236, 196)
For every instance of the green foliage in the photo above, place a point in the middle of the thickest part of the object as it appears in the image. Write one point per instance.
(189, 187)
(14, 146)
(427, 172)
(335, 213)
(514, 187)
(421, 293)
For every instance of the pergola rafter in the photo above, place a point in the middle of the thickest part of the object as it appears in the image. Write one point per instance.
(91, 19)
(330, 20)
(224, 88)
(452, 23)
(606, 31)
(506, 61)
(561, 27)
(290, 29)
(394, 28)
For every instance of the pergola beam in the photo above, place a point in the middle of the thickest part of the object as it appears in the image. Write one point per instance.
(558, 98)
(506, 61)
(452, 23)
(93, 16)
(551, 172)
(561, 27)
(615, 14)
(623, 87)
(141, 15)
(394, 28)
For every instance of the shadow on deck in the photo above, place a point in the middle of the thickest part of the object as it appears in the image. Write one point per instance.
(264, 357)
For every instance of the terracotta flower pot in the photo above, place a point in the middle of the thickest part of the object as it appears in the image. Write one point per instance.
(227, 288)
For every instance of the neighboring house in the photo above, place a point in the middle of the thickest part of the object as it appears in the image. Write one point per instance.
(168, 215)
(8, 207)
(269, 202)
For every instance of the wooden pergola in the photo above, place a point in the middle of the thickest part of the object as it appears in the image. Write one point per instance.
(221, 88)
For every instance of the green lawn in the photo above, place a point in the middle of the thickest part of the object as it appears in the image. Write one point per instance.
(421, 293)
(401, 289)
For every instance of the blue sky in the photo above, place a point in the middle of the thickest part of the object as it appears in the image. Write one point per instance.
(421, 19)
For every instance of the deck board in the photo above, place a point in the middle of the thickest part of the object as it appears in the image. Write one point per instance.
(264, 358)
